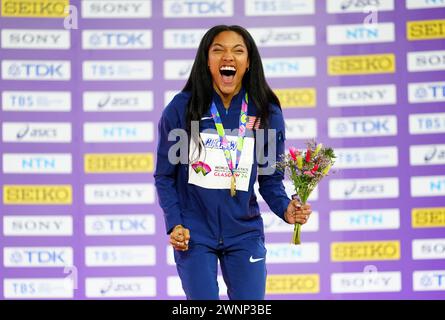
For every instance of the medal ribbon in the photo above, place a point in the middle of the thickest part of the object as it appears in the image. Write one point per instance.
(222, 135)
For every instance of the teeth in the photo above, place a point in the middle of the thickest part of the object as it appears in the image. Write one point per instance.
(229, 68)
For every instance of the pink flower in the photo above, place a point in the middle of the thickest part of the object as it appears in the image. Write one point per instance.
(294, 153)
(309, 173)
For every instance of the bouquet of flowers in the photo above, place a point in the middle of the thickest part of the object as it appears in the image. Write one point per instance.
(306, 168)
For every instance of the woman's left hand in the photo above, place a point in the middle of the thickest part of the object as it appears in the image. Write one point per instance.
(297, 213)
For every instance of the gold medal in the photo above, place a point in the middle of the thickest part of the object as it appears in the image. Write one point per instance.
(233, 186)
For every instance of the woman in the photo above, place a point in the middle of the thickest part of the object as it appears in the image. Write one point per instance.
(210, 207)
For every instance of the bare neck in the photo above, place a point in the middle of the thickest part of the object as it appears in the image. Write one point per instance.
(227, 98)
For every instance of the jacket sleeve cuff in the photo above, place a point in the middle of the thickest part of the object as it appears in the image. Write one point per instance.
(282, 208)
(172, 221)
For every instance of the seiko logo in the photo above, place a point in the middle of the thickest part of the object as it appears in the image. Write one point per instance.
(34, 8)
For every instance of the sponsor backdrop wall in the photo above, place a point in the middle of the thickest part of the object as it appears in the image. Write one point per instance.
(80, 102)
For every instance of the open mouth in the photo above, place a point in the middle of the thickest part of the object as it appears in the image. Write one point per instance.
(227, 73)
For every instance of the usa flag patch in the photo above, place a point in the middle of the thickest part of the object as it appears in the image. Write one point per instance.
(251, 121)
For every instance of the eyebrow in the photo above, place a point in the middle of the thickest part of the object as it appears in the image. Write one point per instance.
(235, 46)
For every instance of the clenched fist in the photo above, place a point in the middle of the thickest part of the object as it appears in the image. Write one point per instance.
(297, 213)
(179, 238)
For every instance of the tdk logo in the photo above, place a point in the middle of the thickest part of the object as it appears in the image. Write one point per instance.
(37, 257)
(123, 225)
(38, 70)
(35, 70)
(362, 126)
(120, 225)
(433, 91)
(426, 92)
(203, 8)
(117, 39)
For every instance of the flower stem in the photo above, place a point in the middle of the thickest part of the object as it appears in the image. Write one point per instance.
(296, 235)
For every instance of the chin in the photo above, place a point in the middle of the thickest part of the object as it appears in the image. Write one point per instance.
(226, 90)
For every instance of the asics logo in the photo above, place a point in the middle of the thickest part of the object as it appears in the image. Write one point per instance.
(253, 260)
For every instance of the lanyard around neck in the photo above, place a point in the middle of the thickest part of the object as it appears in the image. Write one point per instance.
(222, 135)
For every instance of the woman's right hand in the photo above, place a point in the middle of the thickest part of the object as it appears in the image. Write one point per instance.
(179, 238)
